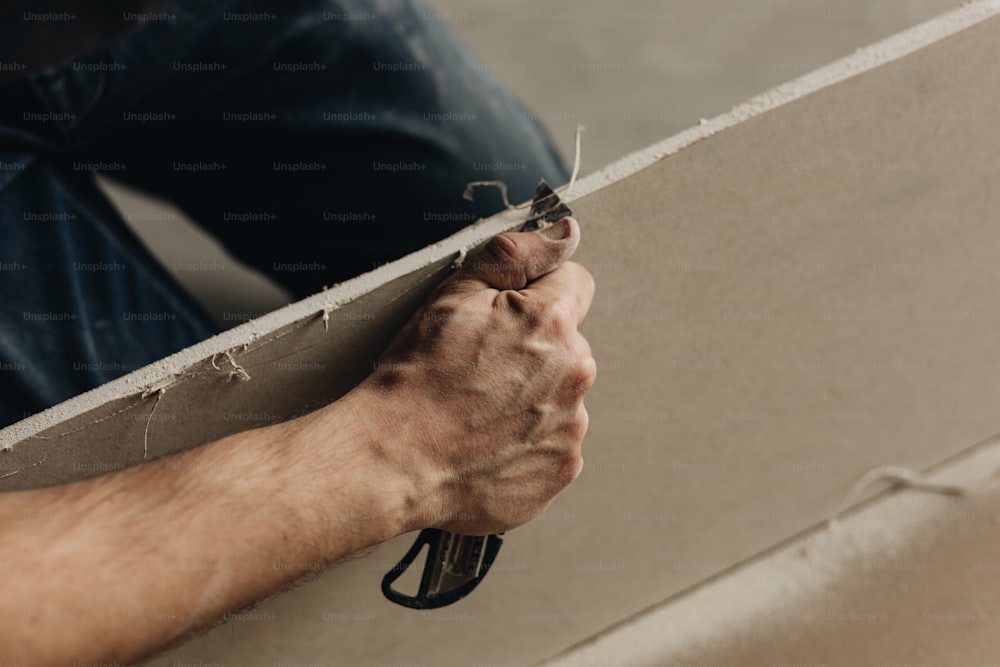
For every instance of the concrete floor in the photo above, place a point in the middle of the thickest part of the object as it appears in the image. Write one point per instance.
(633, 72)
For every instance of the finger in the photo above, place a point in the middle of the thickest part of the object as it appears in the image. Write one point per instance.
(574, 432)
(581, 422)
(580, 378)
(511, 261)
(570, 285)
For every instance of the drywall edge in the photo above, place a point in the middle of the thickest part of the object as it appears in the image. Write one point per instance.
(157, 373)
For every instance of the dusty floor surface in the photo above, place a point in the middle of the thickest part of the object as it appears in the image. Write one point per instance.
(632, 71)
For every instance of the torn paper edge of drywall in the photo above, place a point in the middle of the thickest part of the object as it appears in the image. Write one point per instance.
(861, 61)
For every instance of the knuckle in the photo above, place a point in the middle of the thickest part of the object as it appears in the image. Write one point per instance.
(506, 252)
(559, 320)
(585, 373)
(569, 468)
(450, 288)
(439, 311)
(577, 427)
(508, 245)
(521, 304)
(502, 263)
(583, 275)
(582, 349)
(579, 369)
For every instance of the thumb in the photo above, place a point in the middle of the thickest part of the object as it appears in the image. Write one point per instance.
(510, 261)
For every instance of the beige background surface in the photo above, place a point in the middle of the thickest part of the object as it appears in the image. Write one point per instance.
(633, 71)
(783, 305)
(818, 285)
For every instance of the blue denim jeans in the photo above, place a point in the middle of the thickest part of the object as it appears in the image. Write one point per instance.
(315, 139)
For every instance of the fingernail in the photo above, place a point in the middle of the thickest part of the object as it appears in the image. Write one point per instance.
(557, 231)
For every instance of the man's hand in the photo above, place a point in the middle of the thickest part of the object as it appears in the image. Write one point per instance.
(472, 422)
(479, 400)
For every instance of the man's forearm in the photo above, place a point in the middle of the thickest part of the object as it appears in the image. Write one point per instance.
(112, 568)
(472, 422)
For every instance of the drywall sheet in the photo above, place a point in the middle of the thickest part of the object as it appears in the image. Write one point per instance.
(910, 579)
(787, 296)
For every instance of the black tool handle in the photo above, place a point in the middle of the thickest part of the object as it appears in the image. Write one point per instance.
(454, 567)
